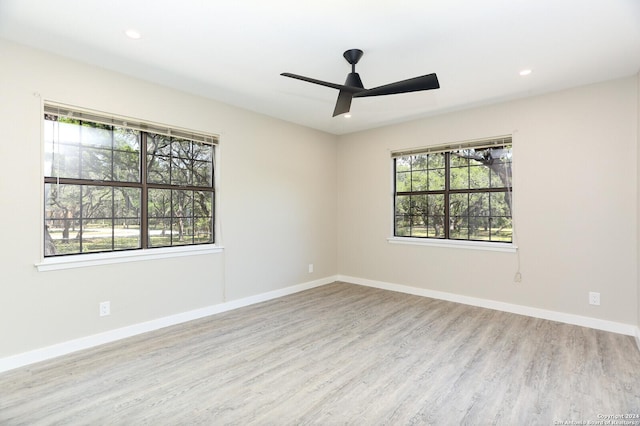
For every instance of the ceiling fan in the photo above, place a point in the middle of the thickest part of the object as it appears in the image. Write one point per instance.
(353, 87)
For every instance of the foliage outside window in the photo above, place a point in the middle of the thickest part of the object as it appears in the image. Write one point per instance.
(112, 185)
(461, 193)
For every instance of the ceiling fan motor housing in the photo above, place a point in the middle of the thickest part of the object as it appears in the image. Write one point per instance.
(353, 80)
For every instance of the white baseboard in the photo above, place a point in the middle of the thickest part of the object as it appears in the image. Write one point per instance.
(64, 348)
(598, 324)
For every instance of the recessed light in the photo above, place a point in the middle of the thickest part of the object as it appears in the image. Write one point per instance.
(525, 72)
(133, 34)
(347, 116)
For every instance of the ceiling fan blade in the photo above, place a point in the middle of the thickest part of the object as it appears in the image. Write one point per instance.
(322, 83)
(343, 104)
(425, 82)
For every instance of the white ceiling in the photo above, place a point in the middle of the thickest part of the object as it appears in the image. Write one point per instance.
(234, 51)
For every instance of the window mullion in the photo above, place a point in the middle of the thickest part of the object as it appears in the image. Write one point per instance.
(80, 225)
(113, 217)
(144, 221)
(447, 185)
(113, 188)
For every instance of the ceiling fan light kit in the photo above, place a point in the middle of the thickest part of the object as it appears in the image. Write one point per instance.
(353, 87)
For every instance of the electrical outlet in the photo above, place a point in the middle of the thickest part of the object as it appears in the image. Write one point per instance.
(594, 298)
(105, 308)
(310, 267)
(517, 278)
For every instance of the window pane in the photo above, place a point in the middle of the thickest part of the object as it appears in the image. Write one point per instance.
(436, 161)
(479, 228)
(182, 203)
(126, 156)
(158, 169)
(181, 148)
(182, 228)
(459, 178)
(97, 235)
(436, 180)
(61, 237)
(126, 239)
(126, 218)
(202, 152)
(62, 204)
(126, 139)
(126, 166)
(501, 167)
(419, 162)
(403, 204)
(418, 227)
(458, 159)
(501, 175)
(501, 229)
(500, 204)
(435, 228)
(458, 228)
(97, 202)
(435, 203)
(479, 204)
(59, 243)
(479, 177)
(96, 135)
(96, 164)
(65, 161)
(203, 204)
(158, 145)
(159, 203)
(458, 204)
(126, 203)
(203, 230)
(402, 181)
(203, 224)
(68, 131)
(181, 171)
(159, 232)
(403, 164)
(403, 226)
(203, 174)
(181, 163)
(419, 180)
(158, 159)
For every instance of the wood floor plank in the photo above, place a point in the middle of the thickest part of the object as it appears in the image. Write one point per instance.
(337, 354)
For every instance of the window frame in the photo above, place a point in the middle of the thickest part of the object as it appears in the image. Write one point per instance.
(146, 250)
(447, 241)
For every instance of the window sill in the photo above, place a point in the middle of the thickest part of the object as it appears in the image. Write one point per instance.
(473, 245)
(95, 259)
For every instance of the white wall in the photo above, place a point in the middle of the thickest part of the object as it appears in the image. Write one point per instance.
(277, 205)
(575, 183)
(291, 196)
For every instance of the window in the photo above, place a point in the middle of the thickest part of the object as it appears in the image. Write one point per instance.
(113, 184)
(461, 192)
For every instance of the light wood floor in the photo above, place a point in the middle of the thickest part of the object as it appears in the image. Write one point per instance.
(338, 354)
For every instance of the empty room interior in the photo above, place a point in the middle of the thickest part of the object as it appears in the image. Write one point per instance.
(205, 223)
